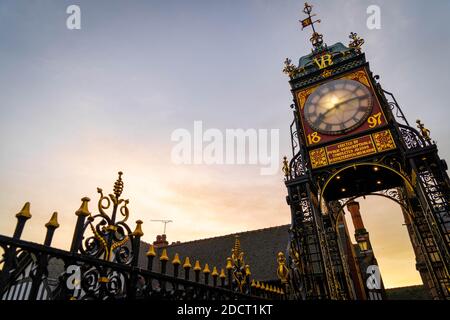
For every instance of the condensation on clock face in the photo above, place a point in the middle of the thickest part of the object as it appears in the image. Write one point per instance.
(338, 106)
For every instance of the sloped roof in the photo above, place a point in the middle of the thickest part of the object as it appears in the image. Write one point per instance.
(260, 249)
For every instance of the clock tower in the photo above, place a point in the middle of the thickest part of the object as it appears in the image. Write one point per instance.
(351, 139)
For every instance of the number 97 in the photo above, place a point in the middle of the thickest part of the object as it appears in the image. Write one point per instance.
(374, 120)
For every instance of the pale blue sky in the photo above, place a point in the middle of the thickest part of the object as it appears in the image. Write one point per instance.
(78, 105)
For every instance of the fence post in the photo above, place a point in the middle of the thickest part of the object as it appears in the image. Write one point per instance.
(81, 213)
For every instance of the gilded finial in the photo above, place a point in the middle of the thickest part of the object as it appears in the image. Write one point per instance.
(151, 251)
(290, 69)
(356, 42)
(138, 231)
(25, 212)
(222, 274)
(253, 284)
(206, 269)
(187, 263)
(53, 223)
(197, 266)
(247, 270)
(316, 38)
(285, 168)
(236, 253)
(118, 185)
(282, 270)
(258, 285)
(229, 264)
(164, 256)
(262, 287)
(84, 210)
(215, 273)
(176, 260)
(423, 131)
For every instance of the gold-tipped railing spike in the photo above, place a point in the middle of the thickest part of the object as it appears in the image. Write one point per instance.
(51, 226)
(197, 269)
(215, 274)
(187, 267)
(138, 231)
(197, 266)
(187, 263)
(258, 285)
(82, 213)
(164, 256)
(206, 273)
(229, 264)
(247, 270)
(222, 277)
(176, 260)
(25, 212)
(84, 210)
(253, 284)
(151, 251)
(53, 222)
(150, 256)
(176, 264)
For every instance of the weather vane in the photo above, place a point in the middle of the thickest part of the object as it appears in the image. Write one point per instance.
(316, 38)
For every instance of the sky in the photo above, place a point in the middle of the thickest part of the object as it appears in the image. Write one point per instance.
(77, 106)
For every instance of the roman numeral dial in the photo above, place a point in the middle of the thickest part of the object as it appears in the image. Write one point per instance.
(338, 106)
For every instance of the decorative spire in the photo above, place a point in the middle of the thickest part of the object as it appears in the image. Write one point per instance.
(118, 185)
(316, 38)
(236, 251)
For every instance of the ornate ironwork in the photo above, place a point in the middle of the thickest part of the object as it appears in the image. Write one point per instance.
(104, 264)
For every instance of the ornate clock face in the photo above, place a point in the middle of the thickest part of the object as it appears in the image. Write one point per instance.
(338, 106)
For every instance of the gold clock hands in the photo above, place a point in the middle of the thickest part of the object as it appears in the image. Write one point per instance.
(351, 99)
(336, 106)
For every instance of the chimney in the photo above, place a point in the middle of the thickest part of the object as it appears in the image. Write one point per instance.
(161, 241)
(353, 207)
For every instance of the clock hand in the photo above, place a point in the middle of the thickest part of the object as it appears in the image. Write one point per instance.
(348, 100)
(337, 105)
